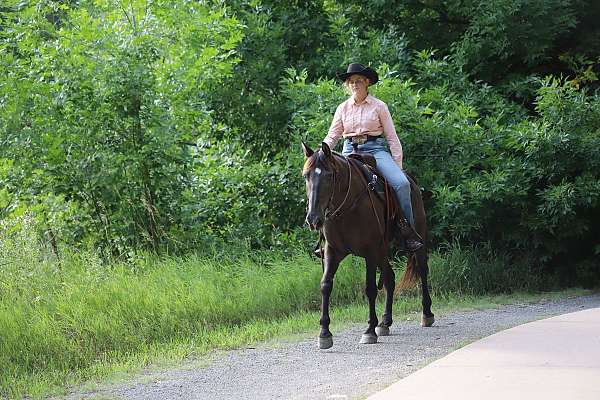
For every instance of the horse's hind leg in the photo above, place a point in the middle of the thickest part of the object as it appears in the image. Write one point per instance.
(369, 336)
(421, 254)
(427, 318)
(331, 263)
(389, 282)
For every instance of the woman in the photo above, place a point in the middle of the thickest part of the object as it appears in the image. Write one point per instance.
(366, 120)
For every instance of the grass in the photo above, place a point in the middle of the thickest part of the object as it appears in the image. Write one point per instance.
(65, 322)
(77, 320)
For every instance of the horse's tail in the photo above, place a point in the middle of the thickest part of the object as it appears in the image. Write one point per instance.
(416, 266)
(411, 274)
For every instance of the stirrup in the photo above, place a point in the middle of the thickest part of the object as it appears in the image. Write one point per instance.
(408, 246)
(412, 245)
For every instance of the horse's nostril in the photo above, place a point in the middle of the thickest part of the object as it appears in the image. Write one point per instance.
(318, 222)
(314, 221)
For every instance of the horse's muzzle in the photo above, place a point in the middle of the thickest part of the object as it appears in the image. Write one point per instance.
(315, 221)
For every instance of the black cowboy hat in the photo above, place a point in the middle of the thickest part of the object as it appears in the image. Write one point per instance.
(359, 69)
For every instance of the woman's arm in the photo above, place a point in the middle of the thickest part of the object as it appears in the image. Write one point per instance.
(336, 129)
(390, 134)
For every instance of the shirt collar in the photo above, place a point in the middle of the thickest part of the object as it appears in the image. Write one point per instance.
(366, 100)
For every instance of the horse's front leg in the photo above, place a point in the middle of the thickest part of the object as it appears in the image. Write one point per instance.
(369, 336)
(331, 262)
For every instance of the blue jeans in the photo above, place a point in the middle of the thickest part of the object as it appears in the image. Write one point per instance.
(390, 170)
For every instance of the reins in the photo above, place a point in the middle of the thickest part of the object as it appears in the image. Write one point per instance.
(338, 211)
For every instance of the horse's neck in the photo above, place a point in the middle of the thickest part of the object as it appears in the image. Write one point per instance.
(341, 184)
(346, 176)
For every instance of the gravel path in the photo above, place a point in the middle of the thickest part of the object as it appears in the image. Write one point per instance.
(346, 371)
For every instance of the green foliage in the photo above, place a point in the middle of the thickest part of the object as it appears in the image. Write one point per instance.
(276, 35)
(481, 270)
(499, 41)
(101, 110)
(244, 199)
(513, 32)
(169, 125)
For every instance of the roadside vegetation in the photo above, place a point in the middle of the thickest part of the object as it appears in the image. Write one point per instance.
(167, 127)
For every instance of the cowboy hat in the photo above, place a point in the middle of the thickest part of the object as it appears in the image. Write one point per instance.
(359, 69)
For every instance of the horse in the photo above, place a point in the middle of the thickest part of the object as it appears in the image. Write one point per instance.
(350, 222)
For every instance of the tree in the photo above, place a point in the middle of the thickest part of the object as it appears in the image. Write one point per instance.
(277, 35)
(502, 42)
(101, 109)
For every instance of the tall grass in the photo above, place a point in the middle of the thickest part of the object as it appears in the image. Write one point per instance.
(62, 320)
(481, 270)
(60, 317)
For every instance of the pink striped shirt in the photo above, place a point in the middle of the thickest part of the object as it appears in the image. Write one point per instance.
(371, 117)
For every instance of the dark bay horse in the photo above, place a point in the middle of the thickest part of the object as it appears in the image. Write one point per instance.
(350, 221)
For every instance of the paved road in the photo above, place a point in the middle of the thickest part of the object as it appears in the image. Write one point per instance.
(553, 359)
(346, 371)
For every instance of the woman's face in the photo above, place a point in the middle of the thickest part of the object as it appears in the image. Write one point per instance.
(358, 85)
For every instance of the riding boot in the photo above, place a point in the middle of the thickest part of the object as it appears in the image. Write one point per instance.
(407, 238)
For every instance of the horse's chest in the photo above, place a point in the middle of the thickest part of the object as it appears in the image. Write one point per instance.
(349, 233)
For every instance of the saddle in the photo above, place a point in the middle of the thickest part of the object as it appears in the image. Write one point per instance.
(368, 166)
(376, 184)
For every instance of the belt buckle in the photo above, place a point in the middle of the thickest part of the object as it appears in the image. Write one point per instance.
(359, 139)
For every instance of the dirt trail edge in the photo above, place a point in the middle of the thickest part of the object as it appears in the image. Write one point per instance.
(346, 371)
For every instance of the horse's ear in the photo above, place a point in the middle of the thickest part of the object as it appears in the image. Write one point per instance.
(307, 150)
(326, 149)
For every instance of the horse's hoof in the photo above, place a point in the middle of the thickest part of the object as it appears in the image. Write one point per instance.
(368, 339)
(427, 321)
(325, 342)
(382, 330)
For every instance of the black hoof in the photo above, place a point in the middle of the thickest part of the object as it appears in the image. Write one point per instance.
(382, 330)
(427, 321)
(325, 342)
(368, 338)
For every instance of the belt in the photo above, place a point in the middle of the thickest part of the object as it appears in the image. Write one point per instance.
(360, 139)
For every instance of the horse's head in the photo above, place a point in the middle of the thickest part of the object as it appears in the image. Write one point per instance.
(319, 174)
